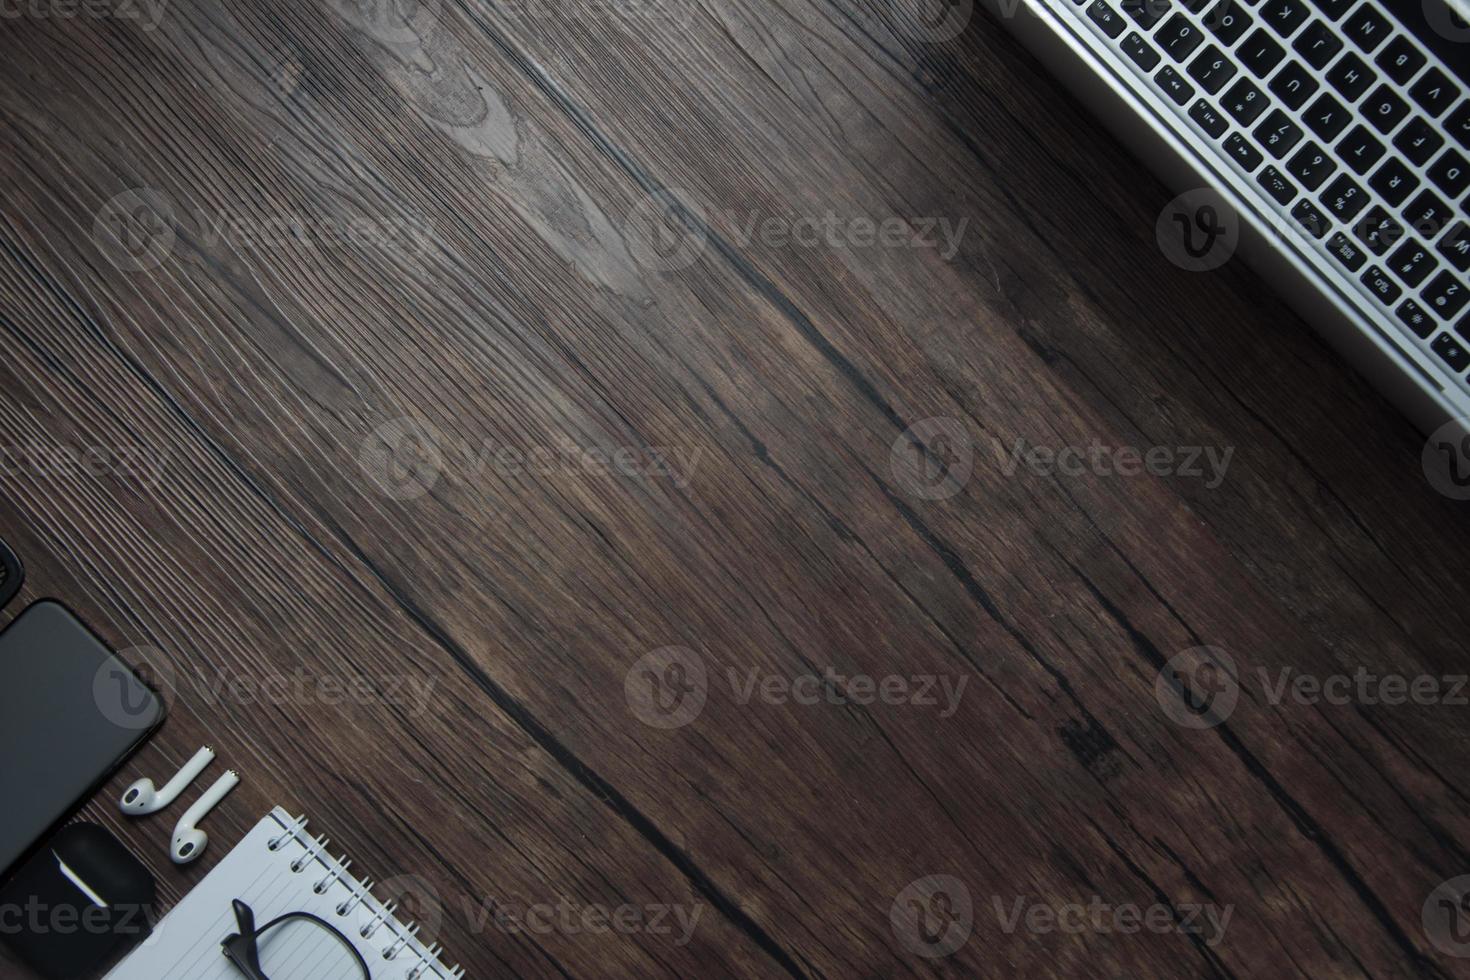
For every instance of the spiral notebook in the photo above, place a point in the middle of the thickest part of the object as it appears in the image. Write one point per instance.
(277, 869)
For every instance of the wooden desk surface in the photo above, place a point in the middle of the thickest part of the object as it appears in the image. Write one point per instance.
(570, 561)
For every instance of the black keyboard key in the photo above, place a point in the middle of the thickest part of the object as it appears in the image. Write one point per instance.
(1394, 182)
(1412, 315)
(1384, 109)
(1211, 69)
(1455, 246)
(1326, 117)
(1378, 230)
(1348, 252)
(1380, 285)
(1239, 149)
(1245, 102)
(1359, 149)
(1428, 216)
(1457, 124)
(1334, 9)
(1260, 53)
(1228, 21)
(1450, 174)
(1293, 85)
(1367, 27)
(1400, 60)
(1145, 13)
(1418, 141)
(1445, 296)
(1317, 44)
(1178, 37)
(1174, 85)
(1106, 18)
(1451, 351)
(1412, 262)
(1194, 6)
(1351, 77)
(1344, 198)
(1276, 184)
(1139, 51)
(1311, 165)
(1434, 92)
(1277, 134)
(1209, 118)
(1314, 222)
(1284, 16)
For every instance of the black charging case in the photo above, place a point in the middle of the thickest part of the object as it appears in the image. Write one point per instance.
(81, 899)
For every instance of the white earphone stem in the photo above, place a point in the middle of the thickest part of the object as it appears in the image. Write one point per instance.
(188, 840)
(186, 775)
(141, 798)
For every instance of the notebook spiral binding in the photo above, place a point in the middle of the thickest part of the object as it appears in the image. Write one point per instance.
(403, 939)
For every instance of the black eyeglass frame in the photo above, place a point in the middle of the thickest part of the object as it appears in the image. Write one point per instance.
(241, 948)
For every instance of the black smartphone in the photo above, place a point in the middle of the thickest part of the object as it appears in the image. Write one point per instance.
(70, 712)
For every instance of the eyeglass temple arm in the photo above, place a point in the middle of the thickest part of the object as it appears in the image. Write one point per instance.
(240, 947)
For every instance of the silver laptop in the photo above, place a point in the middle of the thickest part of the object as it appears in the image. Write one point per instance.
(1327, 140)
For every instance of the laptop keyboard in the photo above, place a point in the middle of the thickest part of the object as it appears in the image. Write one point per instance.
(1338, 116)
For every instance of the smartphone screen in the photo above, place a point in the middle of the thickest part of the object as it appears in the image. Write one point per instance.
(70, 713)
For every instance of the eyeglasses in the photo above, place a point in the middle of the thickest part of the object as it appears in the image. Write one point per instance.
(240, 948)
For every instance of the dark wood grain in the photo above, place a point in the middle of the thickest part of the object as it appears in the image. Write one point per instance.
(501, 151)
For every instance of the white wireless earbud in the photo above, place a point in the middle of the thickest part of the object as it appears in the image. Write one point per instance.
(142, 799)
(189, 840)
